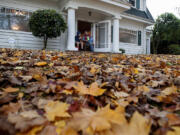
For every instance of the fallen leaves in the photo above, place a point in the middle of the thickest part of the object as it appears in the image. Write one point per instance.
(56, 109)
(41, 63)
(170, 90)
(138, 125)
(25, 123)
(82, 93)
(93, 90)
(176, 131)
(94, 122)
(11, 90)
(109, 121)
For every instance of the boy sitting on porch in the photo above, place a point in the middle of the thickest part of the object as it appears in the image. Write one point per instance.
(86, 39)
(79, 41)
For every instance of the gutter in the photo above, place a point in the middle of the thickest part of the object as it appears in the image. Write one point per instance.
(138, 19)
(117, 3)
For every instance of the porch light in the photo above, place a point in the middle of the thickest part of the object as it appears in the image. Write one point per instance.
(90, 13)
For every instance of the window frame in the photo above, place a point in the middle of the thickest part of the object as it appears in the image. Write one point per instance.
(134, 4)
(136, 31)
(29, 12)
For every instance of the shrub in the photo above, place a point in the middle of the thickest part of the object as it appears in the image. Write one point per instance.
(47, 24)
(174, 49)
(122, 50)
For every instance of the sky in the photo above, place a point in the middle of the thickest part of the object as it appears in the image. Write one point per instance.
(157, 7)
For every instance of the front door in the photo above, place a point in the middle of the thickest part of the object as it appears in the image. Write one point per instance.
(102, 36)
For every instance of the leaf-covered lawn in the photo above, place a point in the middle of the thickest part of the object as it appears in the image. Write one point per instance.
(81, 93)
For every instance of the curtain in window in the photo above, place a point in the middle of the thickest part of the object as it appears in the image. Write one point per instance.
(12, 19)
(139, 38)
(128, 36)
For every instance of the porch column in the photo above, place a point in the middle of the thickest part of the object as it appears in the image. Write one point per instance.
(145, 41)
(116, 35)
(71, 30)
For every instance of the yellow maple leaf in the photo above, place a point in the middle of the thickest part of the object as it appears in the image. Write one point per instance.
(148, 58)
(101, 56)
(93, 90)
(67, 92)
(38, 77)
(136, 71)
(138, 125)
(93, 70)
(59, 126)
(56, 109)
(170, 90)
(105, 117)
(41, 64)
(32, 131)
(69, 131)
(95, 122)
(143, 88)
(175, 132)
(20, 95)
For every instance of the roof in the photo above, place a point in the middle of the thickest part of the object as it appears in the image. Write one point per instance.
(139, 13)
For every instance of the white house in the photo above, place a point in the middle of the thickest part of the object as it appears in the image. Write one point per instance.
(114, 24)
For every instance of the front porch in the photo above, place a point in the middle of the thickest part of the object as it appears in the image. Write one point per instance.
(104, 26)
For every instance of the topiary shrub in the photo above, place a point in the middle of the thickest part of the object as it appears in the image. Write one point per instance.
(174, 49)
(47, 24)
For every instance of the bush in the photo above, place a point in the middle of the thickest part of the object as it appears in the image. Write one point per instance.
(174, 49)
(122, 50)
(47, 24)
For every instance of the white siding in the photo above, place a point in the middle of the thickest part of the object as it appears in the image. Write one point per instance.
(26, 40)
(30, 5)
(133, 48)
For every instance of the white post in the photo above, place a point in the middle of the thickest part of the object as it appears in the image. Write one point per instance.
(144, 41)
(94, 34)
(148, 46)
(71, 30)
(116, 35)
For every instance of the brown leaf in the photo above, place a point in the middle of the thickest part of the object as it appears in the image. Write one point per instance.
(24, 124)
(173, 119)
(6, 128)
(14, 80)
(41, 64)
(49, 130)
(10, 108)
(11, 90)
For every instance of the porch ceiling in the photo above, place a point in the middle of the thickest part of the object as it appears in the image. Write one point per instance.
(91, 15)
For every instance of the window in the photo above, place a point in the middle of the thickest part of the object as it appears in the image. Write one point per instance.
(133, 2)
(13, 19)
(128, 36)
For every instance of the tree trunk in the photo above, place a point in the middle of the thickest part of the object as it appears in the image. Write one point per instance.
(154, 51)
(45, 42)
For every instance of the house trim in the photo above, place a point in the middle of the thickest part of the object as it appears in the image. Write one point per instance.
(117, 3)
(138, 19)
